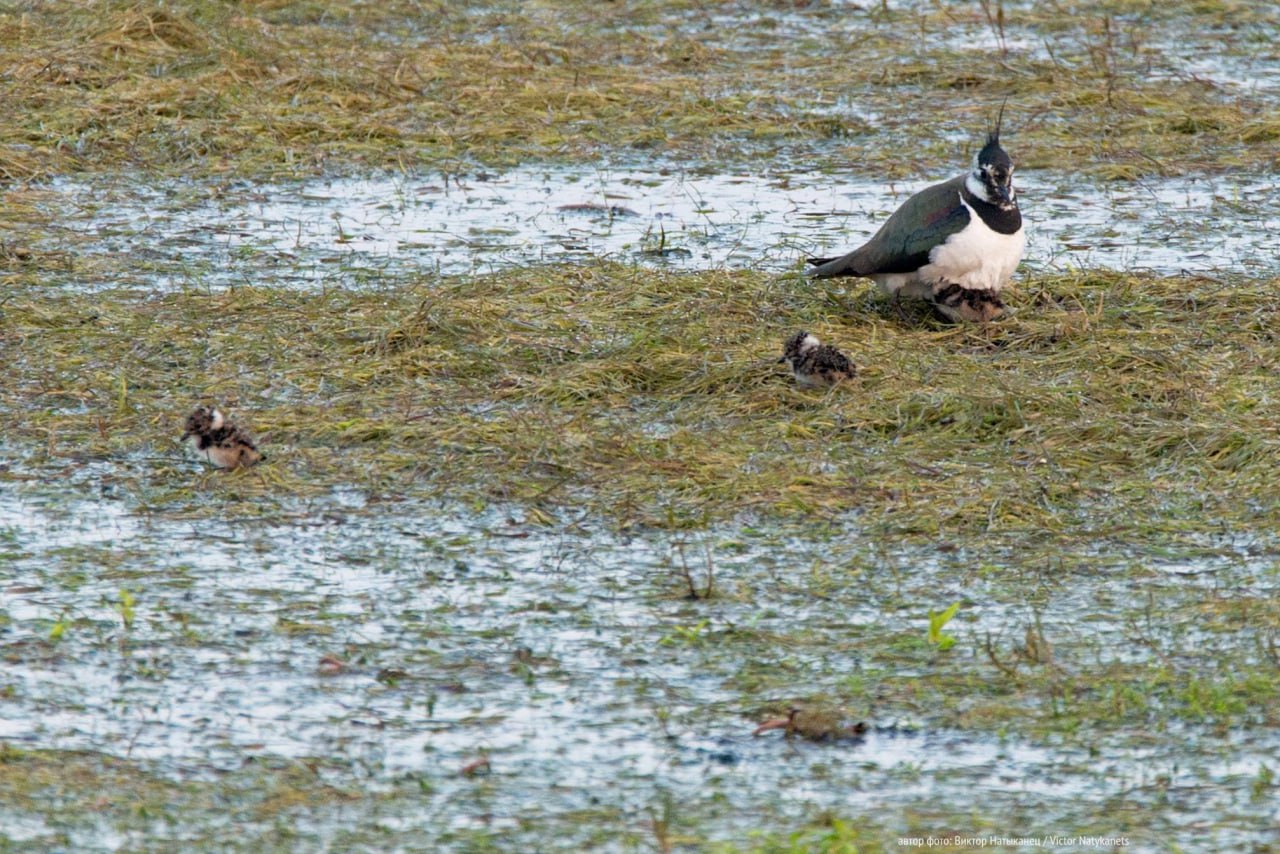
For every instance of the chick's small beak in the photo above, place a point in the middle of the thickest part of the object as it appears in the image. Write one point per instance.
(781, 360)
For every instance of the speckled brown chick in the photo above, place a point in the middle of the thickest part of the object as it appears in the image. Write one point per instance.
(815, 365)
(218, 440)
(815, 725)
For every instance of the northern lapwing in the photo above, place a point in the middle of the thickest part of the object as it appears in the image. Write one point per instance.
(954, 244)
(814, 364)
(218, 440)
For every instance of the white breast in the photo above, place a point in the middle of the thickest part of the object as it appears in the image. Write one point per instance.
(976, 256)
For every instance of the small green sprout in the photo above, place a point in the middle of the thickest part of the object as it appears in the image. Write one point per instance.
(936, 622)
(125, 608)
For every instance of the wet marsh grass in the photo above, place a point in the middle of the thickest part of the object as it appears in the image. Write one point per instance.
(1109, 405)
(1057, 462)
(199, 88)
(112, 798)
(1115, 424)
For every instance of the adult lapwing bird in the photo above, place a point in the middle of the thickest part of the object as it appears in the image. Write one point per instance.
(218, 440)
(814, 364)
(954, 244)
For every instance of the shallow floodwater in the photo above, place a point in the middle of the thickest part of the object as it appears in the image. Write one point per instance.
(400, 642)
(345, 232)
(571, 658)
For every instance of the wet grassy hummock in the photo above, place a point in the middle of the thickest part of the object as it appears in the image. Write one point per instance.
(1109, 405)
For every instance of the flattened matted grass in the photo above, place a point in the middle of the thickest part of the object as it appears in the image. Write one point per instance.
(260, 88)
(1108, 404)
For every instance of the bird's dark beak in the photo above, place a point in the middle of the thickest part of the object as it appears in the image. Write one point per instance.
(185, 435)
(783, 359)
(1003, 192)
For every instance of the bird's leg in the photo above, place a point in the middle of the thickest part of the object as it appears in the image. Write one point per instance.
(897, 306)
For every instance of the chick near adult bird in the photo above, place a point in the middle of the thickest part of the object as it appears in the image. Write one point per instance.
(218, 440)
(814, 364)
(954, 244)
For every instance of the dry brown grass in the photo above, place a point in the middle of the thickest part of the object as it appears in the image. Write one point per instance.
(294, 88)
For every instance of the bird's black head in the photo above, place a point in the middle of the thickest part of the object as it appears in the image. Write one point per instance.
(202, 421)
(993, 171)
(796, 345)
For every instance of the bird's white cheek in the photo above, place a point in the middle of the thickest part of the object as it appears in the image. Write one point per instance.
(974, 185)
